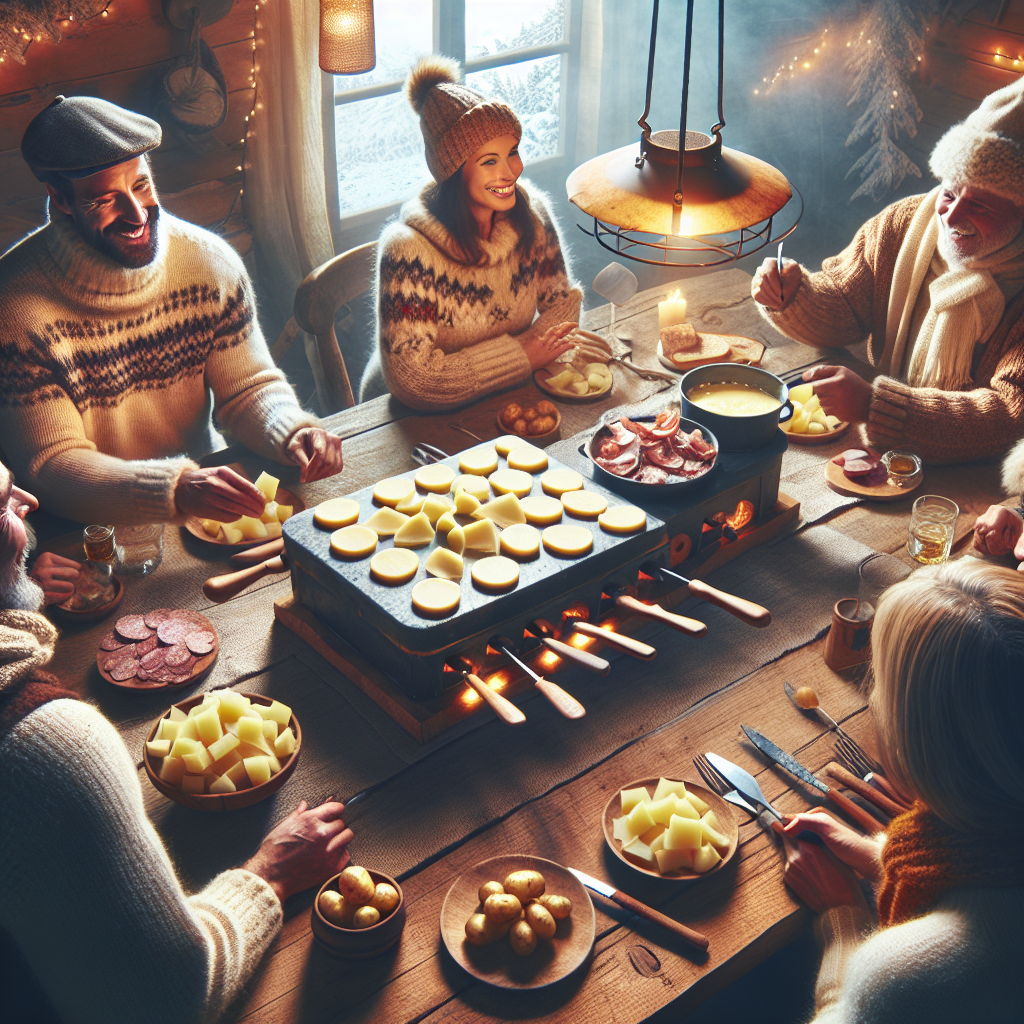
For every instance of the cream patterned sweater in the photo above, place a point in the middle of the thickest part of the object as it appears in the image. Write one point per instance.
(447, 330)
(109, 376)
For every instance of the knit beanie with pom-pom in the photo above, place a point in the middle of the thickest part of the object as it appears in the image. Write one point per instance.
(455, 120)
(986, 149)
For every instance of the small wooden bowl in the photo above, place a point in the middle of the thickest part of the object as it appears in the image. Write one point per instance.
(225, 801)
(540, 440)
(91, 614)
(724, 813)
(359, 943)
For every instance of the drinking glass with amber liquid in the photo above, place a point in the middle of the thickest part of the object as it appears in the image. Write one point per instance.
(99, 543)
(932, 524)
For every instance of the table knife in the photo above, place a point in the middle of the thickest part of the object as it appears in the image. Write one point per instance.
(866, 821)
(641, 909)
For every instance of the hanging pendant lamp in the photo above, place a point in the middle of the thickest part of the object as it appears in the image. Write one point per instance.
(347, 45)
(699, 207)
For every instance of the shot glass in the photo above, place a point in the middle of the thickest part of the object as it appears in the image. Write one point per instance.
(932, 524)
(140, 549)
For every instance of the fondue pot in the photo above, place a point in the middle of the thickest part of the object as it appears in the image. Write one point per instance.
(738, 433)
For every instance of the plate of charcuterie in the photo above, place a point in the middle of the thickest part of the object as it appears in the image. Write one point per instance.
(861, 473)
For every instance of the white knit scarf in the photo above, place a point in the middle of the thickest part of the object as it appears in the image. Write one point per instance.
(965, 307)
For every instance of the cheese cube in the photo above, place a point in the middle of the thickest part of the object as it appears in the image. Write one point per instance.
(238, 775)
(652, 833)
(208, 725)
(250, 730)
(268, 485)
(198, 762)
(683, 833)
(711, 835)
(247, 749)
(667, 786)
(416, 533)
(446, 522)
(168, 730)
(232, 534)
(445, 564)
(275, 712)
(711, 819)
(222, 764)
(275, 765)
(158, 748)
(258, 769)
(176, 715)
(284, 512)
(684, 808)
(252, 529)
(663, 809)
(188, 730)
(620, 830)
(629, 798)
(502, 511)
(696, 803)
(705, 858)
(436, 506)
(172, 769)
(232, 705)
(269, 513)
(639, 852)
(185, 745)
(465, 503)
(639, 819)
(456, 540)
(480, 535)
(220, 748)
(222, 784)
(284, 745)
(410, 504)
(658, 842)
(673, 860)
(273, 530)
(193, 783)
(211, 526)
(270, 731)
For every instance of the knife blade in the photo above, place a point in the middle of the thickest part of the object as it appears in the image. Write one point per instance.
(641, 909)
(866, 821)
(745, 783)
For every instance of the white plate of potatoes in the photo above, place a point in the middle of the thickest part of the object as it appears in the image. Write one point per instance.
(539, 961)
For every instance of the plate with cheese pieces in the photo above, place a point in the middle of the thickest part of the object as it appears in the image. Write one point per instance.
(809, 424)
(580, 374)
(281, 505)
(681, 348)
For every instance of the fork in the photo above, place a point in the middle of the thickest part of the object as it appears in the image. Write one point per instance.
(643, 372)
(426, 454)
(768, 818)
(852, 755)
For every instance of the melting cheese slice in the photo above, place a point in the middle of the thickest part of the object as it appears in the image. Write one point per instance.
(479, 461)
(416, 533)
(437, 477)
(504, 444)
(567, 541)
(481, 535)
(503, 511)
(521, 541)
(386, 522)
(528, 458)
(411, 504)
(495, 573)
(445, 523)
(436, 506)
(583, 504)
(475, 485)
(394, 566)
(336, 513)
(444, 563)
(622, 519)
(353, 542)
(456, 540)
(540, 510)
(392, 490)
(557, 481)
(435, 598)
(513, 481)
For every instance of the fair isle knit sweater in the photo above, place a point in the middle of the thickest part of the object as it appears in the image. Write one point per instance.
(109, 376)
(447, 330)
(848, 301)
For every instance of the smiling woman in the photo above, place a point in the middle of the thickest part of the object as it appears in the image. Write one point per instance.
(473, 290)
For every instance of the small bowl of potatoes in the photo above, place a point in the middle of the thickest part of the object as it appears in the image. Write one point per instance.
(540, 423)
(358, 913)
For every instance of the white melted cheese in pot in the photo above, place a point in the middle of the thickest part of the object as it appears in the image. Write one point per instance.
(733, 399)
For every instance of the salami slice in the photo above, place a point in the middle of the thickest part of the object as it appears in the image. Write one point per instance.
(157, 615)
(145, 646)
(133, 627)
(125, 651)
(858, 467)
(110, 642)
(177, 656)
(124, 668)
(154, 659)
(174, 631)
(142, 675)
(166, 676)
(200, 642)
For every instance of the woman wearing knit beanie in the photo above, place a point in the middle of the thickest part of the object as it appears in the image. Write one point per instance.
(947, 662)
(473, 291)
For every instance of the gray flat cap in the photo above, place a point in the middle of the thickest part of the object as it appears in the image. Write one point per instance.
(79, 135)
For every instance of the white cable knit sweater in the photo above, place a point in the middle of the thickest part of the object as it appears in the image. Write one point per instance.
(108, 376)
(90, 896)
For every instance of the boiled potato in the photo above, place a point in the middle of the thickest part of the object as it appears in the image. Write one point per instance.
(268, 485)
(526, 884)
(356, 885)
(559, 907)
(523, 938)
(539, 918)
(365, 917)
(489, 889)
(501, 907)
(385, 898)
(335, 908)
(482, 931)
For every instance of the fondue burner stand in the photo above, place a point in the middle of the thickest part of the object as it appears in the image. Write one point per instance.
(414, 667)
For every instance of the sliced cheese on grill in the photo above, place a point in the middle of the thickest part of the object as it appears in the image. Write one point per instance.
(416, 533)
(513, 481)
(521, 541)
(444, 563)
(466, 504)
(528, 458)
(567, 541)
(411, 504)
(481, 535)
(541, 510)
(495, 573)
(445, 523)
(479, 461)
(353, 542)
(475, 485)
(504, 511)
(386, 522)
(557, 481)
(335, 513)
(394, 566)
(435, 598)
(622, 519)
(507, 442)
(436, 477)
(583, 504)
(456, 540)
(435, 506)
(391, 491)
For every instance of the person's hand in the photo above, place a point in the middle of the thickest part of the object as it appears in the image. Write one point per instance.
(57, 576)
(765, 284)
(842, 392)
(309, 846)
(852, 848)
(998, 531)
(549, 346)
(316, 451)
(818, 878)
(218, 493)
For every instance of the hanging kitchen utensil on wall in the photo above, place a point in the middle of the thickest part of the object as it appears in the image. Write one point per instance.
(194, 94)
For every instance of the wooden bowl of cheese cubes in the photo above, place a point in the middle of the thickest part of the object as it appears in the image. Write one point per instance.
(677, 831)
(280, 504)
(202, 754)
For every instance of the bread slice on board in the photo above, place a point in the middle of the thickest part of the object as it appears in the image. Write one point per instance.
(712, 349)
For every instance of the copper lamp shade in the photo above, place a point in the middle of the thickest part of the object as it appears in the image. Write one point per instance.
(347, 45)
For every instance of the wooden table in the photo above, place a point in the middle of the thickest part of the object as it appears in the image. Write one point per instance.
(746, 911)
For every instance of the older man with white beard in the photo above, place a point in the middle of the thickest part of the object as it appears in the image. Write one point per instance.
(936, 285)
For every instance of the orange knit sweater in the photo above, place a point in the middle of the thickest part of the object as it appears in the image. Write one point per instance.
(848, 301)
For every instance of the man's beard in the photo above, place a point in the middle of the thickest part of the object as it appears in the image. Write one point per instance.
(110, 242)
(18, 591)
(958, 259)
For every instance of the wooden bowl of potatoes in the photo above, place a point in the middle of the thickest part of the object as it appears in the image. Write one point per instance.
(539, 423)
(212, 772)
(354, 933)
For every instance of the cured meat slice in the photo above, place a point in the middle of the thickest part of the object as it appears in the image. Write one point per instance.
(155, 658)
(850, 454)
(200, 642)
(665, 456)
(123, 668)
(110, 642)
(649, 474)
(858, 467)
(145, 646)
(174, 631)
(157, 615)
(177, 656)
(132, 627)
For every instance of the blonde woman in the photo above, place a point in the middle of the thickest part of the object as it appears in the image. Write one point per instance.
(948, 702)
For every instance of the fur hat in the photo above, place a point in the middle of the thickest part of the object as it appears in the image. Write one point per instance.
(1013, 471)
(986, 149)
(455, 120)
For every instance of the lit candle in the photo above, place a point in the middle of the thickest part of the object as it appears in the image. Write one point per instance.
(672, 310)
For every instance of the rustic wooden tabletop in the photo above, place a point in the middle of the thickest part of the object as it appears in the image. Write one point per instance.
(635, 968)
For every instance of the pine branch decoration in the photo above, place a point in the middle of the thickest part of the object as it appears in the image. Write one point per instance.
(22, 21)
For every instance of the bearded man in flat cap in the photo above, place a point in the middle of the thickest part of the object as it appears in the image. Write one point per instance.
(123, 330)
(936, 283)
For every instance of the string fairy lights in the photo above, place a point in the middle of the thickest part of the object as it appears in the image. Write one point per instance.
(20, 27)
